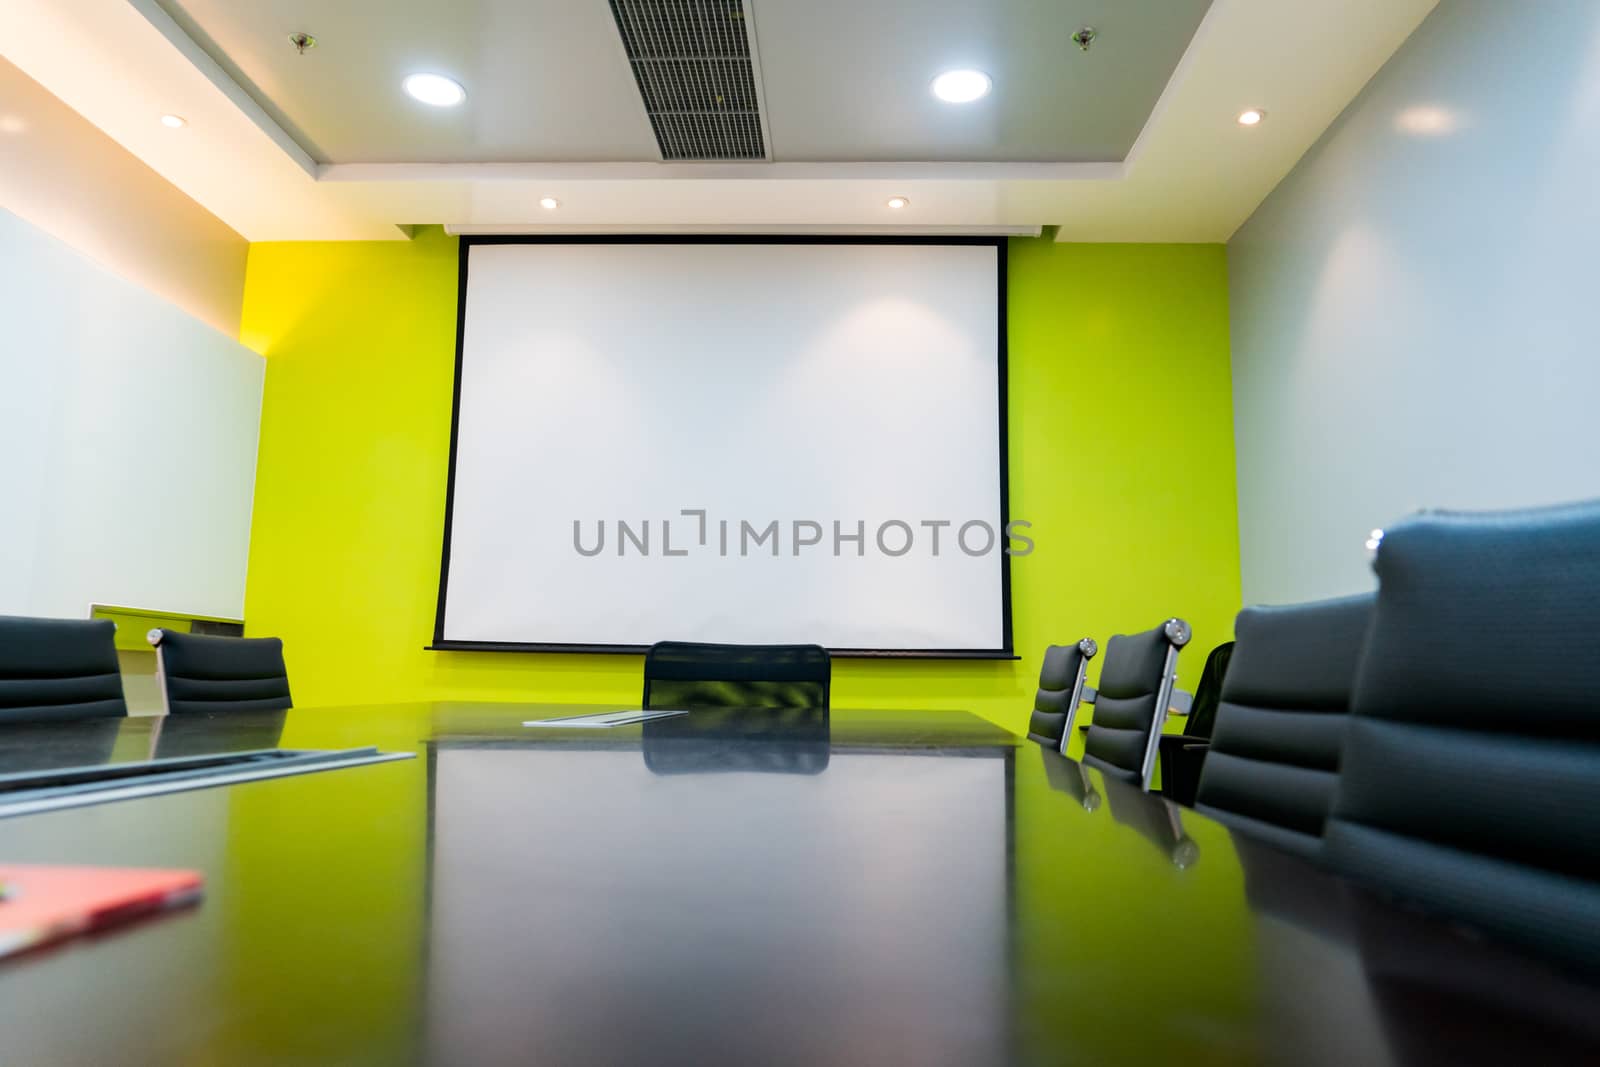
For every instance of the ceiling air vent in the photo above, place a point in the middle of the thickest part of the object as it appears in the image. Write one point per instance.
(692, 61)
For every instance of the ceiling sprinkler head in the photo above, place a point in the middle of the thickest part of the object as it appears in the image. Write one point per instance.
(1084, 38)
(303, 42)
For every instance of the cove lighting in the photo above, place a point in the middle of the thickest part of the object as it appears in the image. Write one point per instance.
(961, 86)
(435, 89)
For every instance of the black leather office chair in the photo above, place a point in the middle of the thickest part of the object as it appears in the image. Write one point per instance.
(1181, 756)
(1208, 694)
(1470, 780)
(201, 674)
(1136, 684)
(53, 670)
(684, 674)
(1061, 689)
(1273, 762)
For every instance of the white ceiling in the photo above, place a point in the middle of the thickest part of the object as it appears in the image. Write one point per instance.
(844, 80)
(546, 79)
(847, 80)
(284, 147)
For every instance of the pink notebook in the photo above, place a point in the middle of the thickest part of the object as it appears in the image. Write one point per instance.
(39, 905)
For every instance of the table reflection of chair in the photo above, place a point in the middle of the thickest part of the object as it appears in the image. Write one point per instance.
(1069, 777)
(49, 746)
(1155, 818)
(721, 740)
(202, 735)
(1436, 994)
(1445, 997)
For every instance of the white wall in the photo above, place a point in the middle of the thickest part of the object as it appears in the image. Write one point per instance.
(1416, 308)
(67, 177)
(127, 441)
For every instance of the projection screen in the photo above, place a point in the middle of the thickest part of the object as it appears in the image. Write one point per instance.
(748, 440)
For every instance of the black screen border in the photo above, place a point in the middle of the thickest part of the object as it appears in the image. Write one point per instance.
(467, 243)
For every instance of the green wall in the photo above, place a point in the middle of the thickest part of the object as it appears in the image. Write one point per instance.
(1121, 438)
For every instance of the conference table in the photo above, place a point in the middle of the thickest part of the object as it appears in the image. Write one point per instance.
(726, 886)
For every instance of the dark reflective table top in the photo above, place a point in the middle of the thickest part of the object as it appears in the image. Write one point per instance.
(725, 887)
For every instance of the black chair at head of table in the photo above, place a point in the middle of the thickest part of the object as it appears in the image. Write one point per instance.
(1136, 686)
(685, 674)
(1470, 777)
(1273, 761)
(1061, 690)
(200, 674)
(57, 670)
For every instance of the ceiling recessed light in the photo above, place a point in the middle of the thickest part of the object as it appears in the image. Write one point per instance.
(961, 86)
(898, 202)
(549, 203)
(435, 89)
(174, 122)
(1251, 117)
(1426, 119)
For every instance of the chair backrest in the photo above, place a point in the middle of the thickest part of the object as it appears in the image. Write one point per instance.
(1060, 690)
(685, 674)
(1274, 757)
(1208, 694)
(201, 674)
(1135, 689)
(59, 669)
(1470, 780)
(1183, 754)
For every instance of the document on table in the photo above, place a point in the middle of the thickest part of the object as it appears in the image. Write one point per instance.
(606, 719)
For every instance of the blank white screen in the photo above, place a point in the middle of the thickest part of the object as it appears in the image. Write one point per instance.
(849, 383)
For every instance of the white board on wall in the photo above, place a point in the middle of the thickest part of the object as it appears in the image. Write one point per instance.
(128, 435)
(804, 435)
